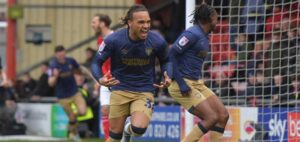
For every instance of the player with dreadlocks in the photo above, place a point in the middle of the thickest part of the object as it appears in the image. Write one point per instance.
(187, 56)
(133, 51)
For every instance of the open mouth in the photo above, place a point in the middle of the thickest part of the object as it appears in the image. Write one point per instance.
(144, 33)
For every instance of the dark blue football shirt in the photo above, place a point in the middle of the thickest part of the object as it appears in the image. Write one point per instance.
(132, 62)
(66, 84)
(192, 47)
(188, 54)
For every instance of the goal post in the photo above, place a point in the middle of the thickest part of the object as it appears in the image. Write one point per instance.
(189, 8)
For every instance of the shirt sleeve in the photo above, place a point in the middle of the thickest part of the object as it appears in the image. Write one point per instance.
(103, 53)
(164, 60)
(185, 41)
(74, 63)
(176, 73)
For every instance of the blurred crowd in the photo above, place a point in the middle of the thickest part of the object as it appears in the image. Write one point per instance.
(257, 59)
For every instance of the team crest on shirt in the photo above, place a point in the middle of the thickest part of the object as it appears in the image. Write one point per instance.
(183, 41)
(148, 50)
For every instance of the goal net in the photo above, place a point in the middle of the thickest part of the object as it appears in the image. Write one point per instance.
(254, 68)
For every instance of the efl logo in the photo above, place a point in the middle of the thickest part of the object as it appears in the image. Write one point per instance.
(249, 127)
(294, 127)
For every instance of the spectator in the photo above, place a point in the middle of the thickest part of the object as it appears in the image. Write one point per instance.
(3, 77)
(87, 123)
(43, 89)
(257, 56)
(89, 55)
(251, 85)
(279, 89)
(158, 25)
(277, 55)
(10, 94)
(294, 90)
(252, 16)
(258, 53)
(3, 84)
(221, 86)
(293, 50)
(258, 88)
(240, 48)
(2, 16)
(254, 88)
(294, 12)
(284, 25)
(62, 77)
(28, 85)
(277, 15)
(222, 26)
(220, 49)
(263, 84)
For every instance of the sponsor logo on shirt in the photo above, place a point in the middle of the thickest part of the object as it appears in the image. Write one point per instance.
(183, 41)
(136, 61)
(101, 47)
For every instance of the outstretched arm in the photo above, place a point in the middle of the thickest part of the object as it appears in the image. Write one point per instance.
(53, 77)
(165, 65)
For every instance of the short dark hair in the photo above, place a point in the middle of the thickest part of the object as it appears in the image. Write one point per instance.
(104, 18)
(132, 9)
(203, 14)
(46, 63)
(89, 49)
(59, 48)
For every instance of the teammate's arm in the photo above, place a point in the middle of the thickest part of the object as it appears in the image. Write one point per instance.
(85, 71)
(81, 69)
(53, 74)
(176, 74)
(53, 77)
(165, 65)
